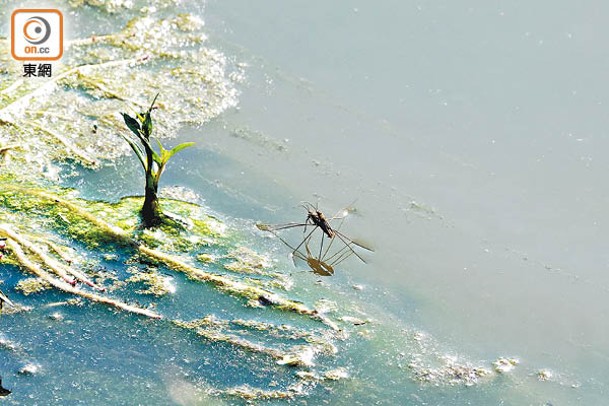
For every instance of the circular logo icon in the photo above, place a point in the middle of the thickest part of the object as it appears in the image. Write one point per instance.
(36, 30)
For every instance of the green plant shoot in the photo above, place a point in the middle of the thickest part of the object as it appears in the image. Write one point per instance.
(152, 161)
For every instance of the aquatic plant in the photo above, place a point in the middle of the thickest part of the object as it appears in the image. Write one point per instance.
(152, 161)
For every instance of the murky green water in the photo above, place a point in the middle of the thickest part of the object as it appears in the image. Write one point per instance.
(469, 137)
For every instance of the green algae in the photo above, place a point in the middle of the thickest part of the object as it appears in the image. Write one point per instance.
(32, 285)
(245, 260)
(112, 6)
(79, 219)
(205, 258)
(155, 283)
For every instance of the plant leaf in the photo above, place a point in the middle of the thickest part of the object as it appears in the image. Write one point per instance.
(156, 157)
(180, 147)
(146, 119)
(161, 148)
(147, 126)
(132, 123)
(152, 104)
(163, 155)
(137, 149)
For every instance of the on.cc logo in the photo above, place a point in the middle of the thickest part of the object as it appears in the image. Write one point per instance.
(36, 30)
(36, 34)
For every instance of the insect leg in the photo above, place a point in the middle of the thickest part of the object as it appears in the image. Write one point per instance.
(306, 239)
(348, 243)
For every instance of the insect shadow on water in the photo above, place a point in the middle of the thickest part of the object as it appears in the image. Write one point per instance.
(325, 259)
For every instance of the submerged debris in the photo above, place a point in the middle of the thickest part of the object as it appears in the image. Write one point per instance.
(3, 391)
(355, 320)
(56, 316)
(6, 344)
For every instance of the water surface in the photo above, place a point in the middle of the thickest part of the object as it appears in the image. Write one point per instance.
(468, 138)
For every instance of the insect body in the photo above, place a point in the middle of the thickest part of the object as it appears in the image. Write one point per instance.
(319, 219)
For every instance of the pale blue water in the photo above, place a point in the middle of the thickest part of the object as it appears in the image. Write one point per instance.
(470, 137)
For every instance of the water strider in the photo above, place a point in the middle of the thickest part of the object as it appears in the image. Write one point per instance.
(323, 263)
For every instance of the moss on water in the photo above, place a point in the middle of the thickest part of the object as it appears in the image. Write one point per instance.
(32, 285)
(154, 282)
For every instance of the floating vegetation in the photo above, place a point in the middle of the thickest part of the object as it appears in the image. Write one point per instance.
(32, 285)
(545, 375)
(82, 220)
(30, 369)
(217, 330)
(156, 283)
(245, 260)
(504, 365)
(95, 251)
(449, 371)
(429, 365)
(336, 374)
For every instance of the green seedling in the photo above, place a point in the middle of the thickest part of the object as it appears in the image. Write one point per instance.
(152, 161)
